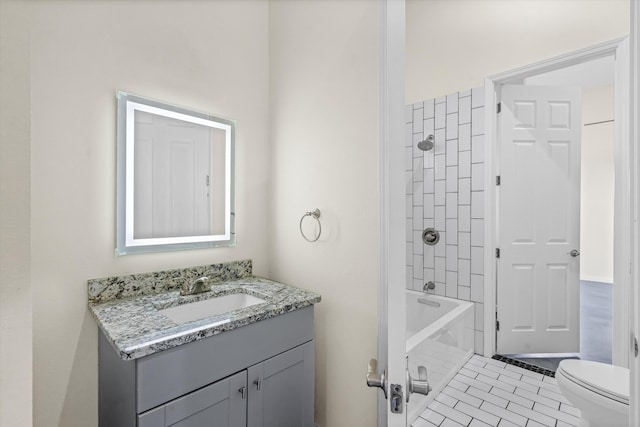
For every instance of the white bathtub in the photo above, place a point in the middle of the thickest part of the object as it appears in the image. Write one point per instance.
(439, 338)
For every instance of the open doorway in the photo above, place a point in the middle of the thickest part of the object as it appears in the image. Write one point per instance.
(594, 80)
(572, 296)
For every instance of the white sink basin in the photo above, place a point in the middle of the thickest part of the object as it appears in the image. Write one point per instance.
(210, 307)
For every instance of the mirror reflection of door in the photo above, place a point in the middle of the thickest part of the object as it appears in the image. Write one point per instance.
(176, 183)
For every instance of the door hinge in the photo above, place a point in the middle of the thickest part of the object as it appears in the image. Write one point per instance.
(499, 107)
(497, 325)
(635, 346)
(497, 252)
(498, 180)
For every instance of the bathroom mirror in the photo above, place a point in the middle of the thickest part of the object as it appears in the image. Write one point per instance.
(175, 177)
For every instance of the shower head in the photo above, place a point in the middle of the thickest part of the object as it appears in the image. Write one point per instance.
(426, 144)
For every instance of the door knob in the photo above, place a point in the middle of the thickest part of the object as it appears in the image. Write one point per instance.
(419, 385)
(374, 379)
(574, 253)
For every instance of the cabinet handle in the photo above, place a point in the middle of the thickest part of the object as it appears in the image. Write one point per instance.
(243, 391)
(258, 383)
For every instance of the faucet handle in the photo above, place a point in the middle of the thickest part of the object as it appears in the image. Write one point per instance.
(199, 285)
(185, 289)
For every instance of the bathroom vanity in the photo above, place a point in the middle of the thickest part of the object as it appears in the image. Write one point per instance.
(250, 366)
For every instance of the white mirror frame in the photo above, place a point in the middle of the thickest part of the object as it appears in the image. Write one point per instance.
(126, 242)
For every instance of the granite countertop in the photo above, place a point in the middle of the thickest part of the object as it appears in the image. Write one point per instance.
(135, 327)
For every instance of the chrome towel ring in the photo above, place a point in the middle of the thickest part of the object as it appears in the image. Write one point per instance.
(316, 215)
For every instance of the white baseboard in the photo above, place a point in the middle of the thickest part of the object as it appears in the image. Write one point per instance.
(608, 280)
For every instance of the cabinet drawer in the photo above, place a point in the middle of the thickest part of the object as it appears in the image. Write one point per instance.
(219, 404)
(167, 375)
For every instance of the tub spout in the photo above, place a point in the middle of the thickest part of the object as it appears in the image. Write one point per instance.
(429, 286)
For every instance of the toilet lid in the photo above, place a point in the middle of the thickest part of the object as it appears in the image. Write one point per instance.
(607, 380)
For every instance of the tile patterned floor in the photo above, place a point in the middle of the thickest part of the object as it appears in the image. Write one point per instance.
(487, 392)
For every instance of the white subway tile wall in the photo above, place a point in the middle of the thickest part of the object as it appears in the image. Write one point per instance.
(445, 190)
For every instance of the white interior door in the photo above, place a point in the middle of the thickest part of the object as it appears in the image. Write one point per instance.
(391, 296)
(171, 156)
(538, 298)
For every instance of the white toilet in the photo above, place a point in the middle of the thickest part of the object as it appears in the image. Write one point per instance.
(599, 391)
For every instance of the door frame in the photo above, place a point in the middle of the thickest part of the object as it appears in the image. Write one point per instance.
(391, 207)
(618, 48)
(634, 409)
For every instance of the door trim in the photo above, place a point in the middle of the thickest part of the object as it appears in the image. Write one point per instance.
(622, 216)
(634, 410)
(391, 241)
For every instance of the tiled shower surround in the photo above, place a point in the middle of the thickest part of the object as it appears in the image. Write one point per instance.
(445, 190)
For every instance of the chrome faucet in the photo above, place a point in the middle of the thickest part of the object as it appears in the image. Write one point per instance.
(429, 286)
(196, 287)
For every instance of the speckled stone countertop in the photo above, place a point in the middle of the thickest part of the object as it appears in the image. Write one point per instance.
(135, 327)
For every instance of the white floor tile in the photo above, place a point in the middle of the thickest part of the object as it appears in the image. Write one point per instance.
(471, 373)
(524, 372)
(447, 400)
(551, 387)
(569, 410)
(504, 413)
(420, 422)
(458, 385)
(464, 397)
(517, 383)
(475, 383)
(478, 414)
(550, 380)
(553, 404)
(558, 415)
(491, 398)
(477, 362)
(484, 371)
(487, 392)
(450, 413)
(529, 413)
(495, 383)
(450, 423)
(489, 361)
(512, 397)
(501, 370)
(555, 396)
(432, 417)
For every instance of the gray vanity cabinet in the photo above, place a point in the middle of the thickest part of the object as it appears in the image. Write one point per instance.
(274, 393)
(258, 375)
(219, 405)
(279, 394)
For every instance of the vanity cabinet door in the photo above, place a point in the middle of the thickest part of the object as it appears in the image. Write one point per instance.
(221, 404)
(281, 390)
